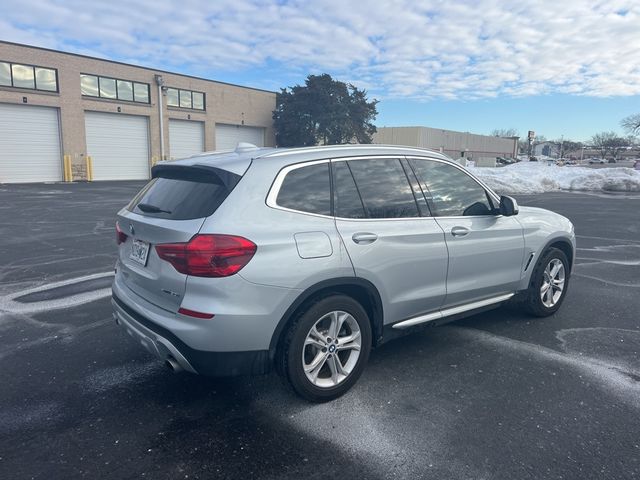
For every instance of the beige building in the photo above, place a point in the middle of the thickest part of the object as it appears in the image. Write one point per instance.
(480, 148)
(72, 117)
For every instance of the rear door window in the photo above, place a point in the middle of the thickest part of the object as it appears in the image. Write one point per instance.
(307, 189)
(184, 193)
(384, 188)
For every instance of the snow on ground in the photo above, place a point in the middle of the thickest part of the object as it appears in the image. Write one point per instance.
(537, 177)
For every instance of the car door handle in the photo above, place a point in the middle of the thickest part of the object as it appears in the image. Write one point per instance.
(459, 231)
(364, 237)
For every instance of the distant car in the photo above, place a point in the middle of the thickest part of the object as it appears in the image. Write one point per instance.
(612, 160)
(637, 165)
(505, 161)
(597, 161)
(305, 259)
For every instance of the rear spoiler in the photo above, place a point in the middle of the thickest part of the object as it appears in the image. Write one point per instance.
(196, 173)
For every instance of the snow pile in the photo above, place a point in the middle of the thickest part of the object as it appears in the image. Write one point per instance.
(536, 177)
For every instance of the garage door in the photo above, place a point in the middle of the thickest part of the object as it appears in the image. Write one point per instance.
(228, 136)
(185, 138)
(29, 144)
(118, 145)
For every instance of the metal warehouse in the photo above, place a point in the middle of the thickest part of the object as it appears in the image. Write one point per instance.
(72, 117)
(454, 144)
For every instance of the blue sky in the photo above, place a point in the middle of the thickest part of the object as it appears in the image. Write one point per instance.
(567, 68)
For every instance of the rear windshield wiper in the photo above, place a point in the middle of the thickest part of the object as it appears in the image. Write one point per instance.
(147, 207)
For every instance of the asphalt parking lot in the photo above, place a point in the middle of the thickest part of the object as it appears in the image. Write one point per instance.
(496, 396)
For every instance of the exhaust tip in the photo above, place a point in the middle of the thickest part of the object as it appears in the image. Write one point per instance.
(172, 365)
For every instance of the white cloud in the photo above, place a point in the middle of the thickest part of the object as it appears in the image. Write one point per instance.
(395, 48)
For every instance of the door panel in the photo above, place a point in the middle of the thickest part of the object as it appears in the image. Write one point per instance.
(402, 254)
(485, 249)
(485, 257)
(405, 259)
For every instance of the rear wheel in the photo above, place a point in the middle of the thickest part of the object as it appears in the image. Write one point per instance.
(327, 348)
(548, 285)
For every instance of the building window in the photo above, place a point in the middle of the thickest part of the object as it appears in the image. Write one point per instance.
(28, 76)
(114, 89)
(107, 88)
(89, 85)
(141, 92)
(125, 90)
(185, 99)
(46, 79)
(198, 100)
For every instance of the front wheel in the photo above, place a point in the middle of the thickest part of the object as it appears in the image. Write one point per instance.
(327, 348)
(549, 284)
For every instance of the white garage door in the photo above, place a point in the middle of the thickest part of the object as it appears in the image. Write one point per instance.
(29, 144)
(118, 145)
(186, 138)
(228, 136)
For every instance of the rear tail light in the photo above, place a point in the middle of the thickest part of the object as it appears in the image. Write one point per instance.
(121, 237)
(209, 255)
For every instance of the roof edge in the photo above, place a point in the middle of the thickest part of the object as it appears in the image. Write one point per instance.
(6, 42)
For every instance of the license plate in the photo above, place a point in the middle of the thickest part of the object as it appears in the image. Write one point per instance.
(139, 252)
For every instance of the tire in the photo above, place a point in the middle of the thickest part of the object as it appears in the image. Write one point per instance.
(340, 364)
(533, 301)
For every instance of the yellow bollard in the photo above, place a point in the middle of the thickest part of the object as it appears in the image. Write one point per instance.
(67, 172)
(89, 169)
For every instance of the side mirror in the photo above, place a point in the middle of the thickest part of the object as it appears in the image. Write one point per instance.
(508, 206)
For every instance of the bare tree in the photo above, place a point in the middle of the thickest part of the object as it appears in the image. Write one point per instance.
(566, 146)
(609, 143)
(504, 132)
(631, 123)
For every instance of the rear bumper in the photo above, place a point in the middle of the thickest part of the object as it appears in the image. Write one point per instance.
(165, 345)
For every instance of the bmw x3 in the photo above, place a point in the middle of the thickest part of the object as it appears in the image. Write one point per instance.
(305, 259)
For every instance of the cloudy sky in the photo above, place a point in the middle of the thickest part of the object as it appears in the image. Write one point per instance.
(560, 67)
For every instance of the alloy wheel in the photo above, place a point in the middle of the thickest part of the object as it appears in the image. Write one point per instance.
(553, 282)
(331, 349)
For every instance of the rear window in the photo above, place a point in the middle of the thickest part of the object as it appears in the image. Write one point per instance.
(184, 193)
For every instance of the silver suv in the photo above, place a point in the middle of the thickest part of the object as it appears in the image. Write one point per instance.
(305, 259)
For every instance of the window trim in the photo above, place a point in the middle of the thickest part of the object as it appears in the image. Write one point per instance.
(272, 195)
(35, 80)
(494, 196)
(419, 192)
